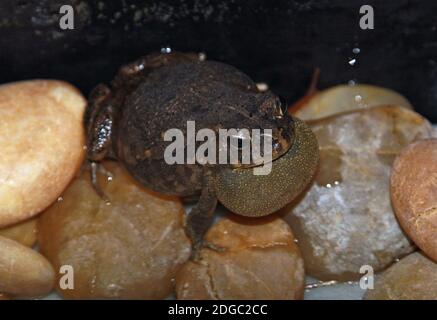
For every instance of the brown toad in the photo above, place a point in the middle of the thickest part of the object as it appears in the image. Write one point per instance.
(127, 121)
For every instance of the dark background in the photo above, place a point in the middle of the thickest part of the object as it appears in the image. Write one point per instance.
(279, 42)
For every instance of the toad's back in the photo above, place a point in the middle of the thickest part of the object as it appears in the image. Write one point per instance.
(212, 94)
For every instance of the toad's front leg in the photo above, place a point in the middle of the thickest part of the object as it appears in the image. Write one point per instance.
(201, 217)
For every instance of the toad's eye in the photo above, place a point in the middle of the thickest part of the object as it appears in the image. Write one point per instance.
(275, 144)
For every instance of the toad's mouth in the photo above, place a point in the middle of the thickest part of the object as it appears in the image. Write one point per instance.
(262, 162)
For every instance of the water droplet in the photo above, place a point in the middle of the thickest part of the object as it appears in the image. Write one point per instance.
(110, 178)
(262, 86)
(202, 56)
(356, 50)
(352, 61)
(60, 199)
(165, 50)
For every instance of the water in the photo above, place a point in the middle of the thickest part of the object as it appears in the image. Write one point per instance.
(166, 50)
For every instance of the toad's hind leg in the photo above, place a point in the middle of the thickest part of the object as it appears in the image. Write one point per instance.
(200, 218)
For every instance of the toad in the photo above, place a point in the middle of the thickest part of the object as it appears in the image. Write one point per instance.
(127, 121)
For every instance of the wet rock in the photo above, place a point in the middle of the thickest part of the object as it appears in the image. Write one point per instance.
(23, 232)
(260, 261)
(128, 249)
(412, 278)
(42, 139)
(414, 193)
(23, 271)
(344, 98)
(345, 220)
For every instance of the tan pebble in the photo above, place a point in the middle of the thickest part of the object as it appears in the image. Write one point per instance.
(23, 271)
(343, 98)
(128, 249)
(260, 261)
(22, 232)
(345, 220)
(414, 193)
(412, 278)
(41, 138)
